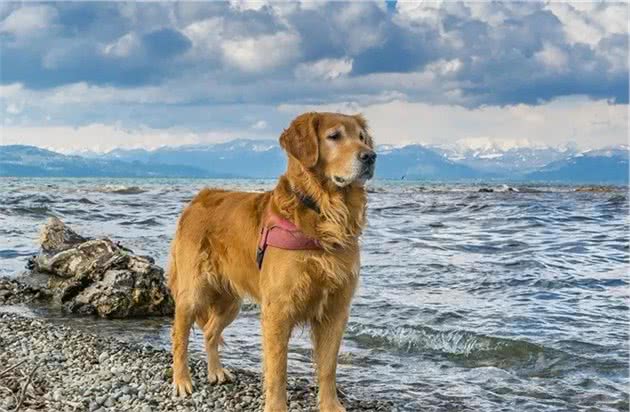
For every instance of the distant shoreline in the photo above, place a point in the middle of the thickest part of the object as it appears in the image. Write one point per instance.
(251, 159)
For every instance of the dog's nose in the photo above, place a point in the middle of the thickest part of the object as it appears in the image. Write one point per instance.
(368, 157)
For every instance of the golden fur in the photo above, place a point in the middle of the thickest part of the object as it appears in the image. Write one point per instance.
(213, 257)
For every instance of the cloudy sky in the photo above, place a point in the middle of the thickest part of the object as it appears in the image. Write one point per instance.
(93, 76)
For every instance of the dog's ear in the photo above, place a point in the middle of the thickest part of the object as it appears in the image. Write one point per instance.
(301, 140)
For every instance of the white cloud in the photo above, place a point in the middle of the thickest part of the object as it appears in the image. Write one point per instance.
(147, 15)
(206, 36)
(309, 4)
(591, 124)
(357, 26)
(12, 90)
(552, 57)
(102, 138)
(84, 98)
(409, 12)
(589, 22)
(29, 21)
(244, 5)
(244, 56)
(123, 46)
(613, 17)
(430, 13)
(577, 26)
(256, 54)
(259, 125)
(83, 94)
(487, 12)
(14, 108)
(324, 69)
(445, 67)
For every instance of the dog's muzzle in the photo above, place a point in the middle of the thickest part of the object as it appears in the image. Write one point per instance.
(368, 157)
(368, 160)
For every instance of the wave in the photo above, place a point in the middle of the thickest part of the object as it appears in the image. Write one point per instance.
(476, 350)
(144, 222)
(120, 189)
(30, 198)
(13, 253)
(32, 211)
(85, 201)
(423, 339)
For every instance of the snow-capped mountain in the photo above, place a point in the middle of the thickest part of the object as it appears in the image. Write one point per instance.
(513, 160)
(265, 159)
(607, 165)
(610, 151)
(420, 162)
(20, 160)
(241, 157)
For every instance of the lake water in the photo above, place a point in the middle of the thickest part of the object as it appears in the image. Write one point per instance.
(468, 301)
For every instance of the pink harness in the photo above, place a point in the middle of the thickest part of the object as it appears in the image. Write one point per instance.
(281, 233)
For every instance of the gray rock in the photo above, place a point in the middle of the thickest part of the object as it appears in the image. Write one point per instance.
(56, 237)
(102, 357)
(99, 276)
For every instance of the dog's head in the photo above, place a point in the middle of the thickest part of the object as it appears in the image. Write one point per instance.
(331, 145)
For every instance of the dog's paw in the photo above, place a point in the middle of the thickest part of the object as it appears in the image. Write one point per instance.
(182, 386)
(281, 407)
(219, 376)
(332, 407)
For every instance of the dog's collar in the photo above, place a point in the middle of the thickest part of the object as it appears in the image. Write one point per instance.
(306, 200)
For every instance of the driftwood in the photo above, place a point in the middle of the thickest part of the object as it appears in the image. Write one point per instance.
(23, 391)
(11, 384)
(10, 368)
(99, 276)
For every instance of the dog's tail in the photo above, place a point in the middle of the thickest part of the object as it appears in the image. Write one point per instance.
(171, 271)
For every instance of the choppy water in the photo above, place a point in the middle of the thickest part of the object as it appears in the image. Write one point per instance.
(468, 301)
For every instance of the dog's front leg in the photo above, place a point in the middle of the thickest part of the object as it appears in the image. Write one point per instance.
(276, 329)
(327, 334)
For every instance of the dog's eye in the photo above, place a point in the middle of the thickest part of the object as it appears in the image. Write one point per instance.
(362, 136)
(334, 136)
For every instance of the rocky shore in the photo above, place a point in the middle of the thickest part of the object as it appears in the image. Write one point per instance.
(13, 292)
(45, 366)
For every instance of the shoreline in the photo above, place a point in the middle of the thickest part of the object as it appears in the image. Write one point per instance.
(72, 370)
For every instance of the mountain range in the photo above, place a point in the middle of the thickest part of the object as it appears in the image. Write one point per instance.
(243, 158)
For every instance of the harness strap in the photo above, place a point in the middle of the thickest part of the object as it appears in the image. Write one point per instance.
(279, 232)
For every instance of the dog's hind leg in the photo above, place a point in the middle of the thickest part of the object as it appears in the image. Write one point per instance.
(219, 315)
(182, 384)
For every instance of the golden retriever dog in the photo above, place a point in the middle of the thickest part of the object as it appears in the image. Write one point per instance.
(213, 262)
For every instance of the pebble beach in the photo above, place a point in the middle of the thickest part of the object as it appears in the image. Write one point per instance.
(45, 366)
